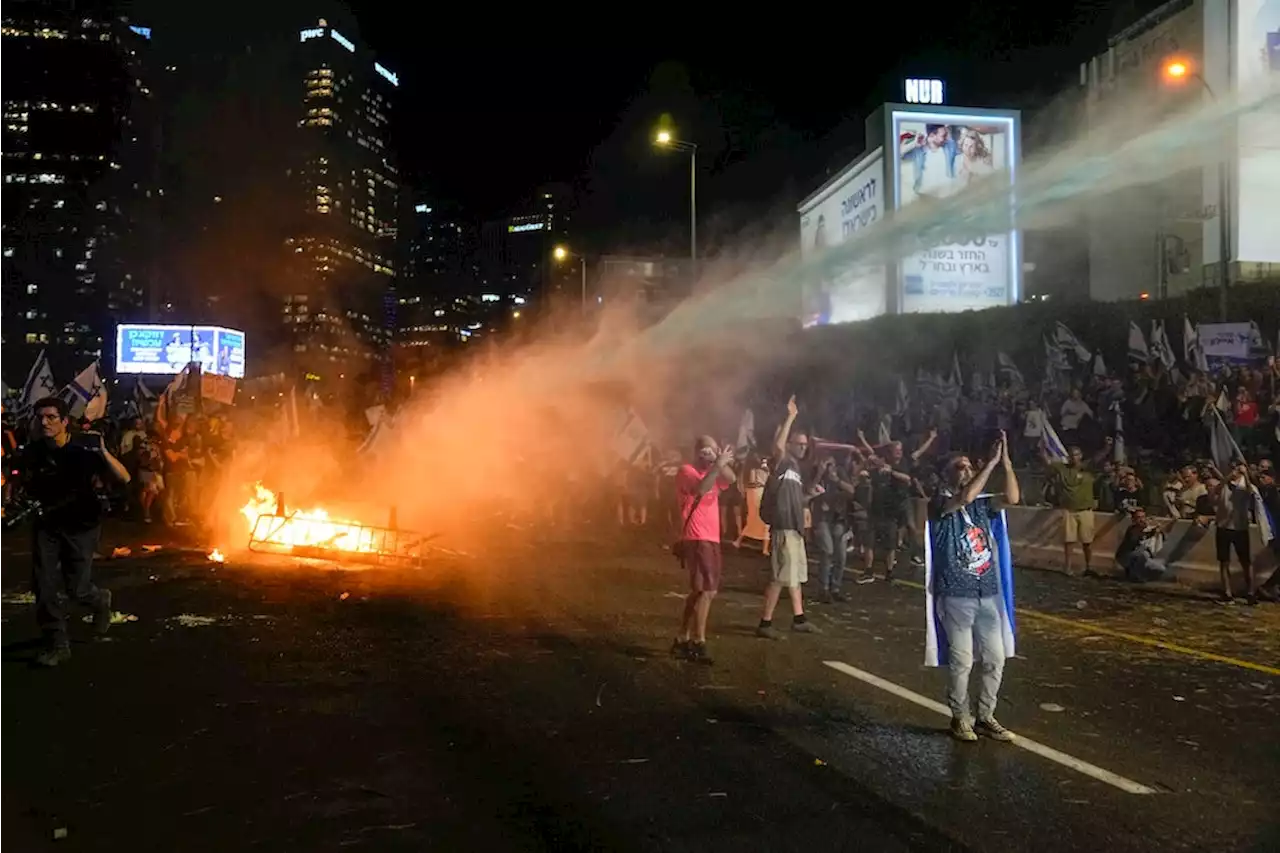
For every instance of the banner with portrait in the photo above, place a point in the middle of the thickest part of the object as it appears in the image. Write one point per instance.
(942, 155)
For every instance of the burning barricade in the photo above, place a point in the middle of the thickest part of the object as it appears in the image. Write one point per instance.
(275, 528)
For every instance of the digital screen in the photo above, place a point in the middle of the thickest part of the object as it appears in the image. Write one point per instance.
(167, 350)
(941, 155)
(854, 200)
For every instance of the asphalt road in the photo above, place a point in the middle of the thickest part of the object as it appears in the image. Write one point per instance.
(525, 700)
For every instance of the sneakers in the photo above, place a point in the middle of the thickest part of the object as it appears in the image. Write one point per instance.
(691, 651)
(962, 729)
(54, 656)
(838, 597)
(698, 654)
(990, 727)
(805, 627)
(768, 632)
(102, 614)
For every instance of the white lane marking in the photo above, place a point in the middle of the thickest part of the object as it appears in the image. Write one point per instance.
(1092, 770)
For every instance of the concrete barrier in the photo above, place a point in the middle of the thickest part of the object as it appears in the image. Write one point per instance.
(1189, 551)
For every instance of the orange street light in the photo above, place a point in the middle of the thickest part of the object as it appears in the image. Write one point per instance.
(1177, 70)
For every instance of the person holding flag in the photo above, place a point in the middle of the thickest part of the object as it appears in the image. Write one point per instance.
(969, 588)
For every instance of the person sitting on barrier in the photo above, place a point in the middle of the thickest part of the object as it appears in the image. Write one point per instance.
(1138, 551)
(1128, 491)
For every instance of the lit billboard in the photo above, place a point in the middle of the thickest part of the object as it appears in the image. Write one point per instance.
(940, 154)
(849, 202)
(164, 349)
(1256, 57)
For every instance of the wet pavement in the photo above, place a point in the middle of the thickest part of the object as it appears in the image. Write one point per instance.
(526, 701)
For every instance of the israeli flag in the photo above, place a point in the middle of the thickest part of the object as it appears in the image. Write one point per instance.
(936, 649)
(1053, 446)
(1225, 452)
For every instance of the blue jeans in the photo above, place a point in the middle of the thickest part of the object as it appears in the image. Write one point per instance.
(831, 536)
(969, 622)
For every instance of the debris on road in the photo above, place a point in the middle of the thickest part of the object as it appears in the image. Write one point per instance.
(117, 618)
(190, 620)
(1052, 707)
(122, 551)
(19, 598)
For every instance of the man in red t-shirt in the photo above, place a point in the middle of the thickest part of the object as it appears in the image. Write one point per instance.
(698, 488)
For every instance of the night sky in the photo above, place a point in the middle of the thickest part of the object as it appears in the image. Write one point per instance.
(493, 105)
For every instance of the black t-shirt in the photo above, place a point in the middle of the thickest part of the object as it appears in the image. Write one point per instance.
(890, 495)
(62, 479)
(782, 504)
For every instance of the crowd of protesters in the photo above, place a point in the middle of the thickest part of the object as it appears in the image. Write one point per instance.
(175, 462)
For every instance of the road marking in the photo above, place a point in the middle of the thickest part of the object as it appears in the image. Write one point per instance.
(1070, 761)
(1094, 628)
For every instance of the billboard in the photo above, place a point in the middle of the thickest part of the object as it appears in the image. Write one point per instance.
(849, 202)
(1256, 57)
(165, 349)
(940, 154)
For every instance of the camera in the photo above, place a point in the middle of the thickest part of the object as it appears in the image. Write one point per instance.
(18, 511)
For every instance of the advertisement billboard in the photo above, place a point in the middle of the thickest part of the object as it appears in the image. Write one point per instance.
(849, 202)
(1257, 70)
(166, 349)
(940, 154)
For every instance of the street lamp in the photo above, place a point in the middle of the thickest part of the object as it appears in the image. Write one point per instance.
(664, 139)
(1178, 71)
(561, 254)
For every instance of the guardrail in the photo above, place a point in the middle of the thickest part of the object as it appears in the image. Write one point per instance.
(1189, 551)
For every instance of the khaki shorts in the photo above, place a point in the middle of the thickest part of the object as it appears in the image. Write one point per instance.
(788, 559)
(1077, 526)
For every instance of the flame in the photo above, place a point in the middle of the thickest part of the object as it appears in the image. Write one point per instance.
(216, 556)
(312, 527)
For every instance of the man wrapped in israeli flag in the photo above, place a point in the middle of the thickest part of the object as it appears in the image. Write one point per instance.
(969, 588)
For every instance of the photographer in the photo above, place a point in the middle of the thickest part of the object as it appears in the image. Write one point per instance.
(59, 477)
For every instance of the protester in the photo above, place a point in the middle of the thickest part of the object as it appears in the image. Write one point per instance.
(62, 477)
(966, 588)
(782, 507)
(699, 487)
(1076, 502)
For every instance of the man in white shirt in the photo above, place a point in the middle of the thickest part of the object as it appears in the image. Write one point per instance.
(1074, 409)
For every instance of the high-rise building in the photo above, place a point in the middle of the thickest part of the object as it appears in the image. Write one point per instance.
(340, 308)
(439, 247)
(516, 251)
(79, 182)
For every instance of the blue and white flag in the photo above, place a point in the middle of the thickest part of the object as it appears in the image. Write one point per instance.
(86, 395)
(1138, 350)
(39, 383)
(1053, 446)
(937, 651)
(1225, 453)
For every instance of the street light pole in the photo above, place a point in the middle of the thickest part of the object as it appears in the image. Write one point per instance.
(1224, 236)
(1178, 70)
(584, 284)
(693, 210)
(665, 139)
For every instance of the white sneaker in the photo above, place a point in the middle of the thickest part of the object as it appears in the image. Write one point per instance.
(962, 729)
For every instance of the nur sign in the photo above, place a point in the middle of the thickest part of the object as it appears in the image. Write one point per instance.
(920, 91)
